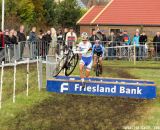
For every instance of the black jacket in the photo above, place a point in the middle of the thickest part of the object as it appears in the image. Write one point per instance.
(48, 38)
(13, 40)
(142, 39)
(21, 36)
(93, 38)
(119, 40)
(7, 39)
(156, 43)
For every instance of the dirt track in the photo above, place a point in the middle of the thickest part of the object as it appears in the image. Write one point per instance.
(75, 112)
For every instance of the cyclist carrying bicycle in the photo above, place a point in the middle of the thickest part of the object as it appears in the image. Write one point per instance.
(85, 51)
(98, 52)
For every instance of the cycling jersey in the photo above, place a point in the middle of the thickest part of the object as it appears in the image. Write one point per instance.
(86, 51)
(98, 49)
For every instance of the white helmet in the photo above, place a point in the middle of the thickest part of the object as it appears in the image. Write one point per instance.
(84, 36)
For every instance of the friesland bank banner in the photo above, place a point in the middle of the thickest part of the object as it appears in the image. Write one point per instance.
(142, 91)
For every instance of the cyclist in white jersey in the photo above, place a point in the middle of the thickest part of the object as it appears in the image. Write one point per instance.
(85, 51)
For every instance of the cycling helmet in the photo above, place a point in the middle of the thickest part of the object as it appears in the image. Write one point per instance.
(84, 36)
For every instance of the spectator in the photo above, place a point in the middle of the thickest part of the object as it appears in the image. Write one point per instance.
(6, 37)
(41, 43)
(21, 35)
(32, 35)
(111, 45)
(65, 34)
(119, 39)
(135, 42)
(126, 38)
(12, 47)
(60, 36)
(156, 43)
(71, 38)
(60, 42)
(1, 40)
(13, 37)
(104, 38)
(54, 42)
(99, 35)
(33, 39)
(48, 40)
(93, 37)
(143, 38)
(22, 39)
(142, 42)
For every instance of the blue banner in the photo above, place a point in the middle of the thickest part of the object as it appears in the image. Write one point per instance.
(102, 89)
(102, 79)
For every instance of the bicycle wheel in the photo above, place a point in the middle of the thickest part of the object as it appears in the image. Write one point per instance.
(60, 65)
(71, 64)
(97, 69)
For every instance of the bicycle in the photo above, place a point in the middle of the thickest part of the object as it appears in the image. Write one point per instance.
(67, 63)
(98, 67)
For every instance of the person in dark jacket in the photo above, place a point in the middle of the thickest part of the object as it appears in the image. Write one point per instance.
(119, 39)
(60, 41)
(156, 43)
(6, 37)
(142, 42)
(41, 44)
(47, 42)
(21, 39)
(93, 37)
(13, 44)
(33, 41)
(111, 43)
(104, 37)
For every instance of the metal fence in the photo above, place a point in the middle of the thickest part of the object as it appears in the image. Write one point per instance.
(113, 50)
(26, 50)
(149, 50)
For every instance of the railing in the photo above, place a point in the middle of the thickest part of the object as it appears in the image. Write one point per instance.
(113, 50)
(26, 50)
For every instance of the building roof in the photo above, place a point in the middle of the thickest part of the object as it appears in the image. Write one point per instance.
(90, 15)
(126, 12)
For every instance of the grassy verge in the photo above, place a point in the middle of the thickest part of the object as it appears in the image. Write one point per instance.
(45, 111)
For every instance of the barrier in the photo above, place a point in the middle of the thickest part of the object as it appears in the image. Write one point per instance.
(141, 89)
(27, 62)
(113, 50)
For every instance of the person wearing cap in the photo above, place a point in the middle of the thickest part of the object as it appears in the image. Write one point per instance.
(85, 52)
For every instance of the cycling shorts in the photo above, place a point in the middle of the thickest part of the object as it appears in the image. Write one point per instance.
(87, 61)
(98, 53)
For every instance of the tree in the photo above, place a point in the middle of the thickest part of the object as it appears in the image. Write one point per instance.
(25, 11)
(38, 10)
(69, 13)
(50, 12)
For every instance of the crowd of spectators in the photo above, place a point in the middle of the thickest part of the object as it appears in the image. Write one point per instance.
(42, 43)
(124, 40)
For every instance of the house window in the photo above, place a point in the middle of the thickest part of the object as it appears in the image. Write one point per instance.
(115, 30)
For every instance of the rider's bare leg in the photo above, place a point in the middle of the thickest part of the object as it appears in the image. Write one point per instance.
(87, 73)
(81, 66)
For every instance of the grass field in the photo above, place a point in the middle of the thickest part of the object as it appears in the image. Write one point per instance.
(50, 111)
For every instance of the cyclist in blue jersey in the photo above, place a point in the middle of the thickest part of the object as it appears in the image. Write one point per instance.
(98, 52)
